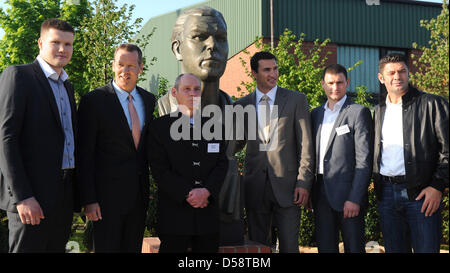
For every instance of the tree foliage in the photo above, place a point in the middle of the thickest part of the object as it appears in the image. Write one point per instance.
(22, 22)
(300, 69)
(108, 27)
(100, 26)
(433, 65)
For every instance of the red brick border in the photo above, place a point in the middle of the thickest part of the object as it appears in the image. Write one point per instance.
(151, 245)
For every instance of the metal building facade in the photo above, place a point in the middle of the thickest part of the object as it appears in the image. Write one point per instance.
(365, 73)
(354, 22)
(359, 31)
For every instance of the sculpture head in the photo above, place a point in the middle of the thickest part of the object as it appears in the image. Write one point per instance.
(199, 42)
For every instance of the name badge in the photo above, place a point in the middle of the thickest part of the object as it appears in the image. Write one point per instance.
(213, 147)
(342, 130)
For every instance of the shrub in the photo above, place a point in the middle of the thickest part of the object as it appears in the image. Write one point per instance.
(3, 232)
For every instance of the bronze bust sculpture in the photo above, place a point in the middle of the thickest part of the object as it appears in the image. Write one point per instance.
(199, 42)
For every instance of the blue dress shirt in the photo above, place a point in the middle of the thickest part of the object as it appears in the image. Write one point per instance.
(137, 102)
(65, 112)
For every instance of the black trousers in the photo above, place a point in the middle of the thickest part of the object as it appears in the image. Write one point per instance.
(52, 234)
(208, 243)
(329, 222)
(120, 232)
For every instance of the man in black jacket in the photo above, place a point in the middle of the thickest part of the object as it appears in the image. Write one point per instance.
(37, 151)
(113, 169)
(410, 160)
(189, 173)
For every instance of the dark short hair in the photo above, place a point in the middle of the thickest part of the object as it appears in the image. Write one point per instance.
(391, 58)
(334, 69)
(56, 24)
(262, 55)
(130, 48)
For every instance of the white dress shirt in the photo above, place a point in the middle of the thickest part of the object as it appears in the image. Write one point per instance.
(329, 117)
(271, 94)
(392, 157)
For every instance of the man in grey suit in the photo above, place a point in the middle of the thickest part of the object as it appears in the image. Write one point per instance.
(278, 179)
(343, 141)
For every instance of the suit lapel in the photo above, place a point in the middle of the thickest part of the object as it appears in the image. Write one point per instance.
(148, 114)
(43, 81)
(73, 108)
(118, 112)
(252, 101)
(338, 121)
(280, 100)
(318, 125)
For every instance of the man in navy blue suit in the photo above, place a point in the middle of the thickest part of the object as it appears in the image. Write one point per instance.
(343, 137)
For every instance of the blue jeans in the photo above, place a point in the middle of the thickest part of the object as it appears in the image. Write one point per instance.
(403, 225)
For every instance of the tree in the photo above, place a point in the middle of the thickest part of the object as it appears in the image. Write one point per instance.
(22, 22)
(300, 70)
(433, 65)
(99, 26)
(101, 33)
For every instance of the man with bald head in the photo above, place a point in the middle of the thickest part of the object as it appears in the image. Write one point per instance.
(199, 42)
(189, 174)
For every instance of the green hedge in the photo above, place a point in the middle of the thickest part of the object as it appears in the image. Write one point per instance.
(3, 232)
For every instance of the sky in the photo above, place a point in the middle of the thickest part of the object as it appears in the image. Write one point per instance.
(147, 9)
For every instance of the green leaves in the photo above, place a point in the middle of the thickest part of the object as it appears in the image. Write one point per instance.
(300, 66)
(100, 26)
(433, 64)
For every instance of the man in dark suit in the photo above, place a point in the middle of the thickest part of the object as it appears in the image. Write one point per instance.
(279, 161)
(343, 140)
(189, 173)
(113, 170)
(37, 134)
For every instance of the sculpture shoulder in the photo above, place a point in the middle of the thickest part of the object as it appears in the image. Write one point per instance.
(225, 99)
(164, 105)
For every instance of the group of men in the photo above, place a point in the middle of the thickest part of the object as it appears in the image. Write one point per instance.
(331, 155)
(55, 159)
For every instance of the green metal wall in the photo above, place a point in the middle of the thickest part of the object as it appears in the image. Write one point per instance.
(353, 22)
(244, 23)
(365, 73)
(393, 24)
